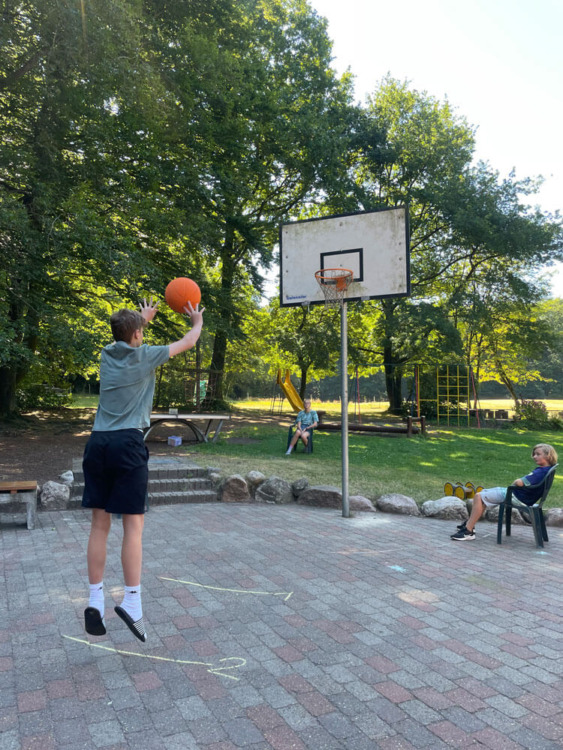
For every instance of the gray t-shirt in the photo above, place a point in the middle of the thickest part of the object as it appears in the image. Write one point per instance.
(127, 385)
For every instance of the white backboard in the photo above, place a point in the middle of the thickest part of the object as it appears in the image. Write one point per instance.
(374, 245)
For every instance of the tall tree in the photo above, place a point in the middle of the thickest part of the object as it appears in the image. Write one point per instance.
(465, 222)
(550, 362)
(148, 139)
(69, 230)
(261, 116)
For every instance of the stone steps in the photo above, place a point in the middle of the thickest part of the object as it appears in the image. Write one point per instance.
(187, 496)
(160, 486)
(171, 480)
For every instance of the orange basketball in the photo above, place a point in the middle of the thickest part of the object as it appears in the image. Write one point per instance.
(180, 291)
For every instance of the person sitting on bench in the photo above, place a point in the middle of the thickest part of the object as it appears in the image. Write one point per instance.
(306, 421)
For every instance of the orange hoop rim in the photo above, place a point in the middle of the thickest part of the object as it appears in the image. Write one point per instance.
(341, 278)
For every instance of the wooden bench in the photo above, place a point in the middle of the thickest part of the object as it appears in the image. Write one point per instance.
(18, 493)
(214, 424)
(410, 429)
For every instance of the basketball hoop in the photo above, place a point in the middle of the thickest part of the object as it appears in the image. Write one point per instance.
(334, 283)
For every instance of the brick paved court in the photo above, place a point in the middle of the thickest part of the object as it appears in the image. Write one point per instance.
(284, 627)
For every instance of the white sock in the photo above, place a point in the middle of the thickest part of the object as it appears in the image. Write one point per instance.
(132, 602)
(97, 597)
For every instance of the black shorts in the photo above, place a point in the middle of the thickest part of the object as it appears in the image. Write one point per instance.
(116, 471)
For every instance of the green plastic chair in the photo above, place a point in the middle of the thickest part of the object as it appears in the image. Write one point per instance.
(309, 447)
(534, 512)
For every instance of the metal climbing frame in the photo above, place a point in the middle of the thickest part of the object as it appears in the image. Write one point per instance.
(453, 388)
(454, 384)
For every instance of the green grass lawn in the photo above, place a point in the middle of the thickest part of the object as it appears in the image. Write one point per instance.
(378, 408)
(84, 401)
(417, 466)
(332, 408)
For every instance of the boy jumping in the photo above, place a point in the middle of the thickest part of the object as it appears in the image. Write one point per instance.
(544, 456)
(115, 460)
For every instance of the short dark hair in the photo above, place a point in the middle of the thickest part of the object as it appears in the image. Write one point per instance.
(124, 323)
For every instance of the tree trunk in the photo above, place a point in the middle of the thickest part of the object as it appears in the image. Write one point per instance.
(214, 396)
(158, 387)
(8, 381)
(393, 385)
(507, 382)
(13, 372)
(303, 386)
(393, 369)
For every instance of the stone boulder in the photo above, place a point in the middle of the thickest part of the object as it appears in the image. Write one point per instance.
(554, 516)
(234, 489)
(491, 514)
(54, 496)
(215, 478)
(395, 503)
(254, 479)
(67, 477)
(322, 496)
(274, 490)
(299, 486)
(361, 503)
(448, 508)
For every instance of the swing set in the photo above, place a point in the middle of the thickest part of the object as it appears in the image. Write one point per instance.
(445, 391)
(454, 389)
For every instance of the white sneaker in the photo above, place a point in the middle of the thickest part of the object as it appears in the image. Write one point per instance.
(288, 452)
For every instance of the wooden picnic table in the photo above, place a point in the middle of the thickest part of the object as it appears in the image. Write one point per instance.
(213, 426)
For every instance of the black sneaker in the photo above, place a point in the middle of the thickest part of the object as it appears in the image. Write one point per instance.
(463, 535)
(462, 525)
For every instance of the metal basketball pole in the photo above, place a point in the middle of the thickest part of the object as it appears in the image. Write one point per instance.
(344, 404)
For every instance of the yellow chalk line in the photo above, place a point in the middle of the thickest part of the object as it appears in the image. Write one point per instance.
(286, 594)
(214, 670)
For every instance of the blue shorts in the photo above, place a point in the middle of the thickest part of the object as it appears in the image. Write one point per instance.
(116, 471)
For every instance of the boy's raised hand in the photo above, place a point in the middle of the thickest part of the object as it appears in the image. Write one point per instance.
(148, 309)
(190, 337)
(194, 313)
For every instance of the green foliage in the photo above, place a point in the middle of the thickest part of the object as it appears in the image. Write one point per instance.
(305, 340)
(473, 242)
(67, 230)
(37, 396)
(549, 359)
(532, 413)
(555, 424)
(145, 140)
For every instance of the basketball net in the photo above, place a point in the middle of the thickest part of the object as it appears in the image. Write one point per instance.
(334, 283)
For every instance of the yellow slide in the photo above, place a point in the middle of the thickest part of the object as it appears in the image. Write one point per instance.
(289, 391)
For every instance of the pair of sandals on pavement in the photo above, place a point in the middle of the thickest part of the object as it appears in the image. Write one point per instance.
(94, 623)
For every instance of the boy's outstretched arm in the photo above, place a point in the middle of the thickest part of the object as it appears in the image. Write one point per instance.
(189, 340)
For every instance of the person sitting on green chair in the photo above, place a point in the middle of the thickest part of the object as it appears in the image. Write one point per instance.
(526, 491)
(305, 422)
